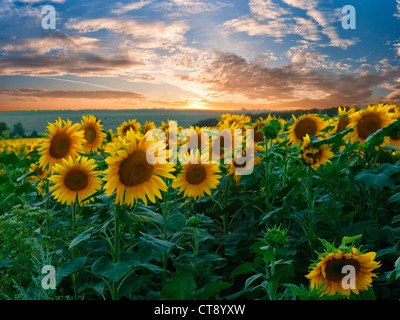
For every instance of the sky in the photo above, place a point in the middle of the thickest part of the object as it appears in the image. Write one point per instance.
(198, 54)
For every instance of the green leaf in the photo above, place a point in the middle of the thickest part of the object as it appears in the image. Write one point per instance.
(282, 272)
(28, 174)
(82, 237)
(24, 188)
(175, 221)
(156, 243)
(333, 140)
(387, 175)
(112, 271)
(181, 287)
(70, 267)
(250, 280)
(348, 240)
(212, 290)
(246, 267)
(9, 158)
(140, 215)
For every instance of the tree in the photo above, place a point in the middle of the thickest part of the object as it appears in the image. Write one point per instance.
(3, 127)
(18, 130)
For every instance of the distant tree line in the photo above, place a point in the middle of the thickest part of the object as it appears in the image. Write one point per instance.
(18, 131)
(286, 115)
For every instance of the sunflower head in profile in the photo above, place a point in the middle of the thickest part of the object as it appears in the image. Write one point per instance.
(328, 272)
(75, 179)
(149, 125)
(126, 126)
(306, 124)
(64, 140)
(131, 175)
(367, 121)
(39, 173)
(394, 108)
(315, 157)
(92, 133)
(197, 177)
(342, 121)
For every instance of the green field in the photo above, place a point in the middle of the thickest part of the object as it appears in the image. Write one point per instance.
(111, 119)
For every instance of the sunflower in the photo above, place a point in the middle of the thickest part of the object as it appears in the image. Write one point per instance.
(201, 135)
(93, 133)
(394, 108)
(239, 120)
(76, 179)
(40, 173)
(197, 177)
(131, 175)
(226, 138)
(368, 121)
(149, 125)
(64, 141)
(315, 156)
(328, 274)
(306, 124)
(127, 126)
(393, 140)
(342, 121)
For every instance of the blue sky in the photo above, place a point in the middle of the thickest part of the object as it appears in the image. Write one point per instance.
(198, 54)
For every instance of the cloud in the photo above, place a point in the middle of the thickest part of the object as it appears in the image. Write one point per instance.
(51, 41)
(121, 8)
(394, 96)
(77, 64)
(266, 9)
(269, 19)
(68, 94)
(185, 7)
(292, 84)
(153, 35)
(397, 13)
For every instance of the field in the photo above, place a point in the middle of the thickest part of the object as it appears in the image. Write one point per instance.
(111, 119)
(84, 214)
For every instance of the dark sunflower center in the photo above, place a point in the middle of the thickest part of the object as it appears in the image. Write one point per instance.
(258, 135)
(304, 127)
(334, 268)
(195, 174)
(90, 134)
(60, 145)
(76, 180)
(342, 124)
(127, 128)
(369, 124)
(223, 144)
(135, 169)
(397, 137)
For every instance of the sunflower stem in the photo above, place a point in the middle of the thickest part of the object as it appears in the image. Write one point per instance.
(116, 249)
(309, 203)
(165, 214)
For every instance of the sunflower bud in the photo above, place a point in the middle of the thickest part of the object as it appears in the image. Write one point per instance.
(276, 237)
(194, 222)
(271, 129)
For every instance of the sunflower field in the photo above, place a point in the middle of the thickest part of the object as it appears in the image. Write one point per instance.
(324, 194)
